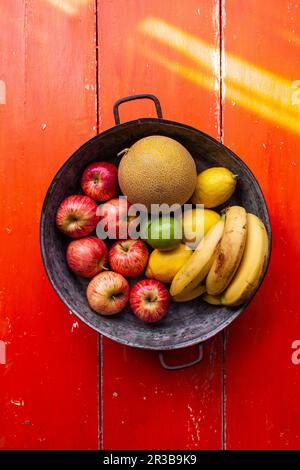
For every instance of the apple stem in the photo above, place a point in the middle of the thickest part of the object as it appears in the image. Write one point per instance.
(104, 268)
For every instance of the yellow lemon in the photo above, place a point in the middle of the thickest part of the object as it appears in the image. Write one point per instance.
(163, 265)
(214, 186)
(196, 223)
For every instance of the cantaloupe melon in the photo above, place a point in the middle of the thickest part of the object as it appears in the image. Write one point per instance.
(157, 170)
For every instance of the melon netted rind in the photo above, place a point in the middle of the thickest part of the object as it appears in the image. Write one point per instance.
(157, 170)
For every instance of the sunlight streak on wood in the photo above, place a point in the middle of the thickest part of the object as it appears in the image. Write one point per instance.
(254, 88)
(71, 7)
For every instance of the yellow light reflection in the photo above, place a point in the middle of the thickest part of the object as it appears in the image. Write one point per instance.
(71, 7)
(189, 73)
(249, 86)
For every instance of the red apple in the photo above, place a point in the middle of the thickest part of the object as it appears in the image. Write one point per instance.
(77, 216)
(128, 257)
(113, 219)
(87, 256)
(108, 293)
(149, 300)
(100, 181)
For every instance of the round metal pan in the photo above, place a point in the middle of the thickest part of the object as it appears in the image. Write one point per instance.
(186, 323)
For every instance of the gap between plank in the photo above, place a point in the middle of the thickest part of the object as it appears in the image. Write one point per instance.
(221, 54)
(97, 69)
(221, 97)
(99, 339)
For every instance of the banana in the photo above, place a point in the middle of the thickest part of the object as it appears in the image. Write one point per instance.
(212, 299)
(198, 265)
(187, 295)
(229, 252)
(248, 275)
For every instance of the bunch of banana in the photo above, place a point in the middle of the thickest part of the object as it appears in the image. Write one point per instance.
(227, 265)
(212, 299)
(190, 294)
(250, 270)
(239, 262)
(229, 252)
(192, 273)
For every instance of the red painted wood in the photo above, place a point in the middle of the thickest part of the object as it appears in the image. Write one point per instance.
(49, 394)
(144, 406)
(262, 384)
(49, 390)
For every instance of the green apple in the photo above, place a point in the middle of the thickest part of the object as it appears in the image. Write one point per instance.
(164, 233)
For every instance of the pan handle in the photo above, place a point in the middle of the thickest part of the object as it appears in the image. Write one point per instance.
(136, 97)
(181, 366)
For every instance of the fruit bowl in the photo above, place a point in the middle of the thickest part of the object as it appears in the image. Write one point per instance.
(186, 323)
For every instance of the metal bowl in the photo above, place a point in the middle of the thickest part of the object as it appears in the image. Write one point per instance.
(186, 323)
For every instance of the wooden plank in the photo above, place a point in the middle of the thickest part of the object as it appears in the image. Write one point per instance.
(261, 116)
(49, 394)
(173, 52)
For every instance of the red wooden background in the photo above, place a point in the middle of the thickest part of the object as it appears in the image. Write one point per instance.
(228, 67)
